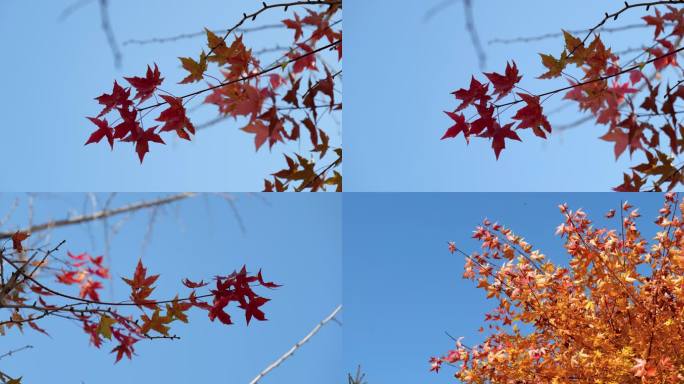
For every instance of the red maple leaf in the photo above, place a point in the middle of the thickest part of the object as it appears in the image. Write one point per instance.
(459, 126)
(103, 130)
(657, 21)
(118, 98)
(532, 116)
(129, 127)
(476, 92)
(141, 286)
(303, 62)
(263, 132)
(499, 136)
(174, 118)
(295, 24)
(68, 277)
(503, 84)
(125, 346)
(145, 86)
(267, 284)
(141, 142)
(89, 289)
(192, 284)
(251, 308)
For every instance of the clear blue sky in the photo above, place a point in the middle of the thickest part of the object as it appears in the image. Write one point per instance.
(57, 68)
(295, 240)
(406, 290)
(400, 72)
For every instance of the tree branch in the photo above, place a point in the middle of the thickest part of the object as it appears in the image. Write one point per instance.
(294, 348)
(99, 214)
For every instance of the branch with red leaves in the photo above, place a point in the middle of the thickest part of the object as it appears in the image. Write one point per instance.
(31, 301)
(248, 90)
(600, 90)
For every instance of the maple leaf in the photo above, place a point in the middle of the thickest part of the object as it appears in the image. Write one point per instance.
(252, 308)
(267, 284)
(141, 142)
(217, 311)
(503, 84)
(156, 323)
(195, 68)
(476, 92)
(657, 21)
(129, 127)
(485, 123)
(146, 86)
(618, 137)
(499, 136)
(663, 59)
(118, 98)
(555, 66)
(141, 286)
(643, 369)
(89, 289)
(103, 130)
(177, 310)
(174, 118)
(69, 277)
(303, 62)
(295, 24)
(291, 95)
(104, 327)
(263, 133)
(532, 116)
(192, 284)
(459, 126)
(325, 86)
(125, 347)
(17, 238)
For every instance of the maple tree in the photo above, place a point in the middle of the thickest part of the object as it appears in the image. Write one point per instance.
(613, 314)
(635, 99)
(280, 101)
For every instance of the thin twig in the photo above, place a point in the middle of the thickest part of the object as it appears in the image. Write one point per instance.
(13, 351)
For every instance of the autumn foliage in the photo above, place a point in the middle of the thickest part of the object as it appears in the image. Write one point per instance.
(612, 315)
(279, 101)
(42, 286)
(634, 99)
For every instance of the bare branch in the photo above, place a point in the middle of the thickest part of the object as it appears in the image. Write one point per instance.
(109, 32)
(294, 348)
(68, 11)
(161, 40)
(100, 214)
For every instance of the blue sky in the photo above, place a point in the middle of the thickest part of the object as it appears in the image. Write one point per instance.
(400, 72)
(295, 240)
(58, 67)
(406, 289)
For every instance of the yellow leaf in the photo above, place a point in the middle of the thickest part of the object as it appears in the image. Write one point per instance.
(195, 68)
(105, 326)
